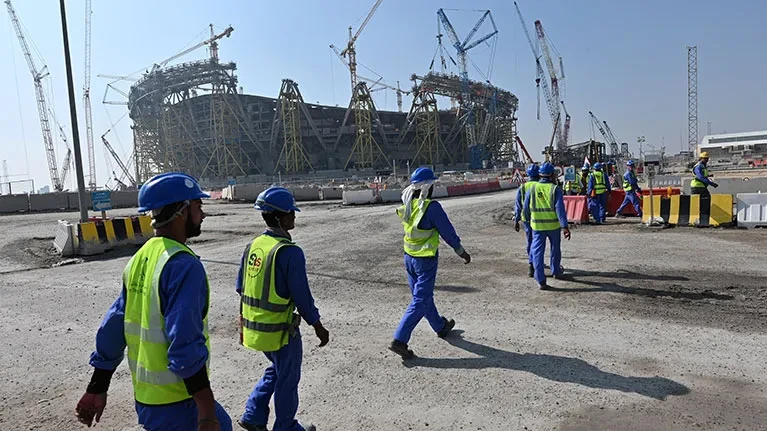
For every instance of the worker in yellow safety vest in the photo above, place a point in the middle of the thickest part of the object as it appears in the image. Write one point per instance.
(273, 286)
(598, 189)
(532, 178)
(699, 184)
(161, 316)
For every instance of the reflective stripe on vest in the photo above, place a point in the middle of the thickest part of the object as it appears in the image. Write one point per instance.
(695, 181)
(417, 242)
(599, 182)
(267, 318)
(144, 325)
(525, 191)
(543, 215)
(627, 184)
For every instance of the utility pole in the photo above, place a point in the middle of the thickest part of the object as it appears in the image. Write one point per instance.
(73, 115)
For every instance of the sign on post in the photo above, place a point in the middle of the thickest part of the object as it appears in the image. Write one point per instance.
(102, 201)
(570, 173)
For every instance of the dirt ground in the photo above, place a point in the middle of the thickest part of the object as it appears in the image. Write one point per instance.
(659, 330)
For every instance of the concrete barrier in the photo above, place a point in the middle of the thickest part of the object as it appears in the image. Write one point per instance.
(49, 202)
(328, 193)
(752, 210)
(14, 203)
(305, 193)
(390, 195)
(125, 199)
(439, 192)
(732, 186)
(73, 202)
(577, 209)
(359, 197)
(690, 210)
(98, 236)
(244, 192)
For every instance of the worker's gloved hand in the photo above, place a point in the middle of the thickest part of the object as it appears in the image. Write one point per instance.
(90, 407)
(567, 233)
(466, 257)
(714, 185)
(516, 227)
(322, 334)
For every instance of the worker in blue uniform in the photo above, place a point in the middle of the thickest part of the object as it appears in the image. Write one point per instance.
(161, 316)
(273, 285)
(699, 184)
(532, 178)
(424, 222)
(584, 178)
(598, 189)
(544, 206)
(631, 187)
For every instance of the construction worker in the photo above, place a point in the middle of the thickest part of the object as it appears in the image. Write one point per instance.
(161, 316)
(699, 184)
(573, 188)
(584, 178)
(598, 189)
(544, 206)
(532, 178)
(273, 284)
(424, 222)
(631, 187)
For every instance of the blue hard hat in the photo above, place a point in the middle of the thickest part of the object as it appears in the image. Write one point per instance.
(276, 199)
(586, 167)
(546, 169)
(422, 174)
(168, 188)
(597, 165)
(630, 163)
(532, 171)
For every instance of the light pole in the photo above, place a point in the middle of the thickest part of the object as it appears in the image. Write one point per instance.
(73, 115)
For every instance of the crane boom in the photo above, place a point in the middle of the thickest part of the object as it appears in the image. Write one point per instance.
(212, 39)
(367, 19)
(42, 105)
(601, 129)
(566, 131)
(65, 167)
(554, 103)
(87, 100)
(539, 72)
(119, 161)
(350, 50)
(524, 150)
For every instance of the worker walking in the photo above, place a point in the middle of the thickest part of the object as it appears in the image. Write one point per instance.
(161, 316)
(631, 187)
(584, 179)
(544, 206)
(424, 222)
(699, 184)
(532, 178)
(598, 189)
(273, 284)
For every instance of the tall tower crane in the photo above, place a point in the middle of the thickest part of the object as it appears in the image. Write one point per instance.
(87, 99)
(462, 48)
(42, 106)
(350, 51)
(554, 75)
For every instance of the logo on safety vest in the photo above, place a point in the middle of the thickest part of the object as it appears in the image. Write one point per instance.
(255, 263)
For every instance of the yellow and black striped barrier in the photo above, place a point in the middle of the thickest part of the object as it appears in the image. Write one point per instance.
(99, 235)
(691, 210)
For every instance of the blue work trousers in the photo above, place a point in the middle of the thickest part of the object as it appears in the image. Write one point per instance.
(281, 380)
(529, 237)
(631, 198)
(177, 417)
(598, 207)
(421, 276)
(539, 248)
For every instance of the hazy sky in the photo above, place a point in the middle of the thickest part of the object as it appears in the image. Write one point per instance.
(624, 60)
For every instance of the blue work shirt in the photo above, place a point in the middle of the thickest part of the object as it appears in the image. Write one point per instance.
(436, 218)
(520, 200)
(592, 182)
(559, 204)
(290, 279)
(183, 302)
(698, 171)
(630, 178)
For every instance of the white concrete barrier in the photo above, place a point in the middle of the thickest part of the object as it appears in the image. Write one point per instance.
(439, 192)
(508, 184)
(245, 192)
(752, 210)
(390, 195)
(359, 197)
(327, 193)
(305, 193)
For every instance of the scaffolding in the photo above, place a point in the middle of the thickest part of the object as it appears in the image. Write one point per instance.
(366, 152)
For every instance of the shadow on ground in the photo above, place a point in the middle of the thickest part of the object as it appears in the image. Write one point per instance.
(550, 367)
(444, 288)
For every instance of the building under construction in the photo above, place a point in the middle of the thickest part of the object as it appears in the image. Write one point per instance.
(193, 117)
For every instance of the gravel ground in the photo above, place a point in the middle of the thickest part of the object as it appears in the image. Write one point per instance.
(659, 330)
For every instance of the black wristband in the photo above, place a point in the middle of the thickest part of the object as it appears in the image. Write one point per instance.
(198, 381)
(100, 381)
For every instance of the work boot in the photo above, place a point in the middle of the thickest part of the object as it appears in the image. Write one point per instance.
(543, 286)
(449, 325)
(401, 349)
(530, 270)
(309, 427)
(251, 427)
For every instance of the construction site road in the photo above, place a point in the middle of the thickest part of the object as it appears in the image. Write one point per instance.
(659, 329)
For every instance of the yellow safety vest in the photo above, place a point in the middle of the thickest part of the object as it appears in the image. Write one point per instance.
(543, 213)
(144, 324)
(574, 186)
(599, 182)
(627, 184)
(418, 243)
(267, 318)
(695, 181)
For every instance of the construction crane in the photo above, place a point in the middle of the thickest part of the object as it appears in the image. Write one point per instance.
(117, 159)
(566, 131)
(601, 129)
(524, 149)
(210, 42)
(614, 142)
(539, 81)
(42, 106)
(555, 100)
(462, 48)
(350, 50)
(87, 100)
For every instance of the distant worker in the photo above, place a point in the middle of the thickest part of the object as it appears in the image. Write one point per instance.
(532, 178)
(584, 178)
(598, 189)
(699, 184)
(544, 206)
(631, 187)
(161, 317)
(273, 284)
(424, 222)
(573, 188)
